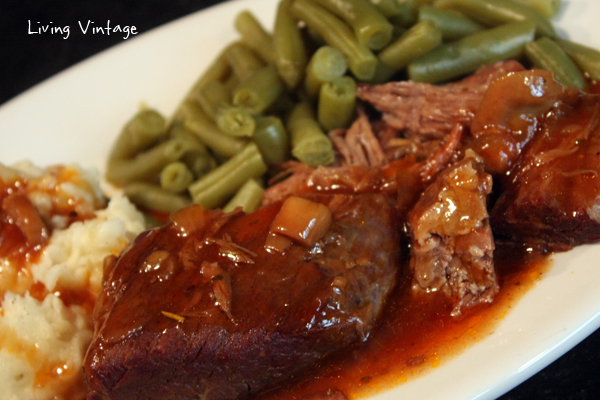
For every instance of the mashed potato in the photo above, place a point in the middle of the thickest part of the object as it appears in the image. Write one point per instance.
(47, 291)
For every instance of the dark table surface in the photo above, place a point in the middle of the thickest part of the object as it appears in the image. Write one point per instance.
(27, 59)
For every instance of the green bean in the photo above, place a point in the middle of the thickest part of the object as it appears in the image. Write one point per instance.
(259, 90)
(408, 14)
(370, 26)
(389, 8)
(201, 125)
(337, 102)
(142, 131)
(464, 56)
(153, 197)
(175, 177)
(361, 61)
(249, 197)
(213, 189)
(272, 140)
(196, 157)
(309, 143)
(146, 165)
(453, 25)
(417, 41)
(219, 70)
(236, 121)
(326, 64)
(547, 54)
(212, 97)
(243, 60)
(548, 8)
(255, 36)
(290, 52)
(499, 12)
(586, 58)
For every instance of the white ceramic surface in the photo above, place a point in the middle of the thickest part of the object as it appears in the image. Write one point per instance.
(75, 116)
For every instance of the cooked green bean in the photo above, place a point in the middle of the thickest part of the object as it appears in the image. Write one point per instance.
(219, 70)
(175, 177)
(388, 8)
(243, 60)
(586, 58)
(236, 121)
(272, 140)
(201, 125)
(259, 90)
(337, 103)
(549, 8)
(255, 36)
(453, 24)
(464, 56)
(499, 12)
(142, 131)
(290, 52)
(146, 165)
(417, 41)
(408, 15)
(196, 157)
(249, 197)
(326, 64)
(547, 54)
(213, 189)
(336, 33)
(370, 26)
(309, 143)
(153, 197)
(212, 97)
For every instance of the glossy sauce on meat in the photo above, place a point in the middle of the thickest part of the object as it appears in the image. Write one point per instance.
(201, 306)
(416, 334)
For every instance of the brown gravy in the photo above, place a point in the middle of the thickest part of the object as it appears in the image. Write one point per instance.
(416, 334)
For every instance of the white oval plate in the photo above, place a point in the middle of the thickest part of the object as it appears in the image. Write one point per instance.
(76, 115)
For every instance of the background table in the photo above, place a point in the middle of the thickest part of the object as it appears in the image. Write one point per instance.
(27, 59)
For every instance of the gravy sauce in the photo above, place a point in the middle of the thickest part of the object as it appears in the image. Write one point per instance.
(416, 333)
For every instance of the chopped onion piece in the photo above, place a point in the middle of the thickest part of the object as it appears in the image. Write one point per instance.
(277, 243)
(302, 220)
(190, 219)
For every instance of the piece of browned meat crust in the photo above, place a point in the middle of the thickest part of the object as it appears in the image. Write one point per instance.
(552, 195)
(420, 109)
(201, 310)
(451, 239)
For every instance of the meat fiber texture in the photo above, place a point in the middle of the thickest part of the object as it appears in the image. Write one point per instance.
(552, 195)
(424, 110)
(214, 315)
(451, 239)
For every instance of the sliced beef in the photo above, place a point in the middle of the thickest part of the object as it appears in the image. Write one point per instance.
(552, 196)
(420, 109)
(451, 239)
(358, 145)
(200, 309)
